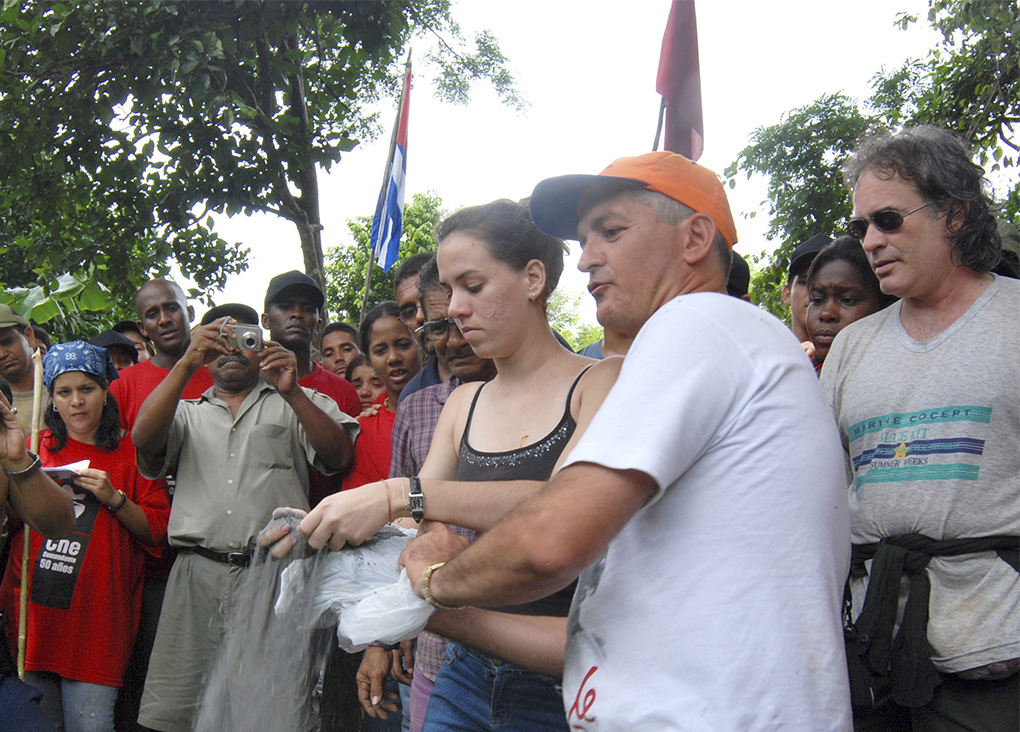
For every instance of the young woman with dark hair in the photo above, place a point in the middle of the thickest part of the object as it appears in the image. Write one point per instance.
(842, 288)
(494, 445)
(86, 591)
(393, 353)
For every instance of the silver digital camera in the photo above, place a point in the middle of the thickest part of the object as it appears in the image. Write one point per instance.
(243, 337)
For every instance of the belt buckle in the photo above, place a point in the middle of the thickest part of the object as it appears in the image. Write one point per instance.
(237, 559)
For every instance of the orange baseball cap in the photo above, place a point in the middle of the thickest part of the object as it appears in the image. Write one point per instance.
(555, 201)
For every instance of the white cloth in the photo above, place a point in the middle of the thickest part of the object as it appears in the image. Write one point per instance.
(718, 606)
(932, 432)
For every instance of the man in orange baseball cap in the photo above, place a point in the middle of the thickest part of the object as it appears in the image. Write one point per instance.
(711, 576)
(658, 191)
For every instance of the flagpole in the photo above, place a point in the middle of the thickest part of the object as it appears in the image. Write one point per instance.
(37, 387)
(658, 127)
(383, 187)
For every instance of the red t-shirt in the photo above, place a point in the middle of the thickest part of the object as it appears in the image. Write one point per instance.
(335, 387)
(86, 591)
(373, 451)
(346, 397)
(138, 381)
(131, 390)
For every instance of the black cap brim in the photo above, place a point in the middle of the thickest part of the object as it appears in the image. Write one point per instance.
(239, 312)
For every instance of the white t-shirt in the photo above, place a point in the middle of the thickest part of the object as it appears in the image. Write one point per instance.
(718, 606)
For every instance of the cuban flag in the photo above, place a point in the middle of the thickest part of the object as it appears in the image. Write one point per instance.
(389, 214)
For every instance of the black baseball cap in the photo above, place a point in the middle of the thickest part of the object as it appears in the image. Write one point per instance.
(238, 311)
(739, 280)
(112, 339)
(294, 282)
(804, 255)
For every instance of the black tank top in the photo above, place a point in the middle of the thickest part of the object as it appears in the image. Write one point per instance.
(534, 462)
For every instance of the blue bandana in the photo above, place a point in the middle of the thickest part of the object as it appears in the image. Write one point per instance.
(77, 356)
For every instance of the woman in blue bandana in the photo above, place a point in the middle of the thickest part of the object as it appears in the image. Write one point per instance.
(85, 591)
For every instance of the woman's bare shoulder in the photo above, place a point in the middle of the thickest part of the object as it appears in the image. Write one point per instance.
(461, 396)
(602, 374)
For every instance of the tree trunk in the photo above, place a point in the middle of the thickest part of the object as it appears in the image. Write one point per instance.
(310, 225)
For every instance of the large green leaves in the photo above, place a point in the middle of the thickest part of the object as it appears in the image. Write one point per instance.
(123, 124)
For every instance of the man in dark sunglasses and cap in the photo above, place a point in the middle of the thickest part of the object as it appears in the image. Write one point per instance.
(925, 394)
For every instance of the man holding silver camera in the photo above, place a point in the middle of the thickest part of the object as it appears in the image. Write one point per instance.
(239, 451)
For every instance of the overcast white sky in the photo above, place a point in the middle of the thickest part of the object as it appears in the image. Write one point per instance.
(587, 69)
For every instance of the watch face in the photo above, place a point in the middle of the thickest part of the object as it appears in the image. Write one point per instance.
(416, 500)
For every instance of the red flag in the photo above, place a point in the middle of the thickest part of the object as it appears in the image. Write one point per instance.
(679, 82)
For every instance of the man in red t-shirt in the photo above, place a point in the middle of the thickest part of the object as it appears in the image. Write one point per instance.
(292, 307)
(164, 317)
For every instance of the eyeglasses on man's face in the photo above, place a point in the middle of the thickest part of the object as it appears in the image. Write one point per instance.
(408, 314)
(435, 330)
(887, 220)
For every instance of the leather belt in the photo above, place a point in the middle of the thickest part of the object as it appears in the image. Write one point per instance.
(234, 559)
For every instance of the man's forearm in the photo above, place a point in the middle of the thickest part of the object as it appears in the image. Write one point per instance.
(156, 416)
(43, 505)
(544, 544)
(330, 441)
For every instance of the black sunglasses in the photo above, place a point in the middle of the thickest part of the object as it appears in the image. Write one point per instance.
(887, 220)
(435, 329)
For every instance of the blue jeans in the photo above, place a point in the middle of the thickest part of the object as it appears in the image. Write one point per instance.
(476, 692)
(75, 706)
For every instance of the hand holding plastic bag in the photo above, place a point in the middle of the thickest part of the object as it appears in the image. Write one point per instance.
(362, 585)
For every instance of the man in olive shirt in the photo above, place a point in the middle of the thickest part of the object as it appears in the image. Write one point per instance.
(239, 451)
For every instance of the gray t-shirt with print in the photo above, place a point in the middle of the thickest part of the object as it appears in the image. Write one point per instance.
(932, 435)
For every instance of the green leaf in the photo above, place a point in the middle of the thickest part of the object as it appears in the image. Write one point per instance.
(45, 311)
(67, 286)
(94, 297)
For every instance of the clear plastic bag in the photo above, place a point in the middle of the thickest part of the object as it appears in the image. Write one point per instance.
(362, 586)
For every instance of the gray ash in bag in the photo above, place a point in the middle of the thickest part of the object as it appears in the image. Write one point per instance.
(268, 665)
(271, 658)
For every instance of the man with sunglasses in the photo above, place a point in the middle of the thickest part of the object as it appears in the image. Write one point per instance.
(925, 395)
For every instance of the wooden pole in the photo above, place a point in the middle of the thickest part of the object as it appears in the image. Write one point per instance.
(37, 387)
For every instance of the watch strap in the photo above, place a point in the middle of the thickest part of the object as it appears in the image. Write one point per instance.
(416, 499)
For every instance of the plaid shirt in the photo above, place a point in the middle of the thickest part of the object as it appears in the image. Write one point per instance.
(417, 417)
(412, 436)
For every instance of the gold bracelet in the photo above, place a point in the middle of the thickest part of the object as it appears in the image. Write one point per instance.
(427, 593)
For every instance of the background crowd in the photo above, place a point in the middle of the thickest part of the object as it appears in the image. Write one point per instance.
(582, 514)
